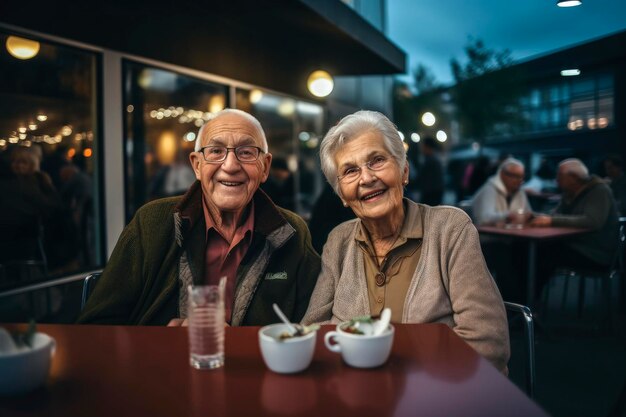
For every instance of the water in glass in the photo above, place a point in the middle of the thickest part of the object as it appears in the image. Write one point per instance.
(206, 326)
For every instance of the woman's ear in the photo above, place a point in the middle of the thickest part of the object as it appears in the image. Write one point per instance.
(405, 174)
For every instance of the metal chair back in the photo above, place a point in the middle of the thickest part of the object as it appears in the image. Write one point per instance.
(88, 285)
(529, 345)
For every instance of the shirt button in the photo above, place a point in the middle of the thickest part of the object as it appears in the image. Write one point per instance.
(379, 300)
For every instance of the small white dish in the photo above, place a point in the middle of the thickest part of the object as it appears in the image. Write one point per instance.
(26, 368)
(286, 356)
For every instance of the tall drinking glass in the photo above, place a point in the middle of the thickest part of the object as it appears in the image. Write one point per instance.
(206, 326)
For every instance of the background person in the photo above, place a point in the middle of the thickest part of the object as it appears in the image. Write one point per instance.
(28, 204)
(223, 226)
(614, 169)
(587, 202)
(501, 195)
(430, 180)
(422, 262)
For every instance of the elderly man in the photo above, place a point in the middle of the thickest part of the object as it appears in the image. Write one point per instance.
(614, 168)
(501, 195)
(223, 226)
(586, 202)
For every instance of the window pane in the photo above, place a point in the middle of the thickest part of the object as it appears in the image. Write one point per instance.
(583, 87)
(294, 130)
(277, 116)
(605, 111)
(164, 111)
(50, 220)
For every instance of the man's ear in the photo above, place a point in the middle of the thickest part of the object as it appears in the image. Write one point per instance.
(195, 158)
(267, 163)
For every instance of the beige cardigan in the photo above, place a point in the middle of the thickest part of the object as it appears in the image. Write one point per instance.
(451, 284)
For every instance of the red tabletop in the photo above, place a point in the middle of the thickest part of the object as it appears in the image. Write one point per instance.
(533, 233)
(144, 371)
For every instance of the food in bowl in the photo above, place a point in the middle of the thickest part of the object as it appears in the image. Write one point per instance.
(300, 331)
(362, 325)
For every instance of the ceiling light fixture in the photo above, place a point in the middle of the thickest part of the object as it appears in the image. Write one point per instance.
(571, 72)
(569, 3)
(22, 48)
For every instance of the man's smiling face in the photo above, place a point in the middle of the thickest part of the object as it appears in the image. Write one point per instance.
(229, 186)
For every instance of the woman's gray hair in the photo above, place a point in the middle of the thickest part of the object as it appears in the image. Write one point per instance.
(226, 111)
(353, 126)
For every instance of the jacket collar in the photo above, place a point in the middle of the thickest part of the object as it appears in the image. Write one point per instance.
(188, 212)
(593, 182)
(496, 181)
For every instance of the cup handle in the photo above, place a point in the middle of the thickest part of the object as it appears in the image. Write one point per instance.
(333, 347)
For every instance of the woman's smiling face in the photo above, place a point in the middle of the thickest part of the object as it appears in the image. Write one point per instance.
(374, 194)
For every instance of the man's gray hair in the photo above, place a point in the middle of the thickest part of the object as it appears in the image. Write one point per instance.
(509, 162)
(353, 126)
(247, 116)
(574, 167)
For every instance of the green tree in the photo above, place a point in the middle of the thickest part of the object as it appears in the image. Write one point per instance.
(424, 79)
(487, 91)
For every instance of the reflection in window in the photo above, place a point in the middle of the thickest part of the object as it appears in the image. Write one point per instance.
(164, 111)
(574, 104)
(49, 221)
(293, 129)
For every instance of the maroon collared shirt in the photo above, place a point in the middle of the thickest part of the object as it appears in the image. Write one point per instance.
(222, 258)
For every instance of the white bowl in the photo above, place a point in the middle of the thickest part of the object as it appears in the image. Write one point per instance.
(27, 368)
(286, 356)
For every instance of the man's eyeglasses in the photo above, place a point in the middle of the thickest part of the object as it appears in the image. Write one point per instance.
(519, 177)
(215, 154)
(351, 174)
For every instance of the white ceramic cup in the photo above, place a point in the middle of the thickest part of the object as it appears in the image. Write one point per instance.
(286, 356)
(27, 368)
(360, 351)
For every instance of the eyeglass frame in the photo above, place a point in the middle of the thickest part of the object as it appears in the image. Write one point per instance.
(518, 177)
(230, 149)
(360, 169)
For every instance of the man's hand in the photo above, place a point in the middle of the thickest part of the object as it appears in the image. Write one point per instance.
(541, 221)
(178, 322)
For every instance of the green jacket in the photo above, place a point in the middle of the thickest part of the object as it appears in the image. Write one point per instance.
(161, 252)
(593, 208)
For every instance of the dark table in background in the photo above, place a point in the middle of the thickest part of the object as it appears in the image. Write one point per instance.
(144, 371)
(532, 236)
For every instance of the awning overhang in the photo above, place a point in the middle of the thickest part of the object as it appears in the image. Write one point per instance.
(271, 43)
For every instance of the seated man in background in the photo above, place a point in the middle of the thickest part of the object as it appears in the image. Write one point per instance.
(614, 169)
(587, 202)
(501, 195)
(223, 226)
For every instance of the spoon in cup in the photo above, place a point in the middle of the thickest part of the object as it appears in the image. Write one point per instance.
(294, 329)
(381, 325)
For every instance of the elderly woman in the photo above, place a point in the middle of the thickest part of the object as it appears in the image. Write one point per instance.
(424, 263)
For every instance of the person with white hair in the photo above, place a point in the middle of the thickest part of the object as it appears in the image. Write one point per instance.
(501, 196)
(587, 202)
(223, 226)
(424, 263)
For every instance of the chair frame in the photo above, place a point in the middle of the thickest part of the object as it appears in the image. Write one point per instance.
(616, 269)
(89, 283)
(529, 347)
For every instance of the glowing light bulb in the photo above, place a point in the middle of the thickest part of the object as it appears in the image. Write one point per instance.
(320, 83)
